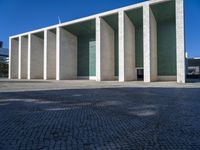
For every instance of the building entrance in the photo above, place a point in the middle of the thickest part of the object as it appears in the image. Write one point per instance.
(140, 74)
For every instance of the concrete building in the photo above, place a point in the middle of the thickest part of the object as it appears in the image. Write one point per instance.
(145, 40)
(3, 61)
(193, 67)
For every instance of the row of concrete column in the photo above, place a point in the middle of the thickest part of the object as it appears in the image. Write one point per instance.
(52, 53)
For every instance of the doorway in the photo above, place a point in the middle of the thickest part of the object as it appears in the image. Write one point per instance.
(140, 74)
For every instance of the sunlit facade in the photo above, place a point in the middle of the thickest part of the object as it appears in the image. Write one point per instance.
(144, 41)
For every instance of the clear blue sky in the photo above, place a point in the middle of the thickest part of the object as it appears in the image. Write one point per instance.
(19, 16)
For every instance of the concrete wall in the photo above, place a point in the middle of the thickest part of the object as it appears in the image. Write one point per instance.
(166, 78)
(66, 55)
(166, 53)
(153, 46)
(36, 57)
(14, 58)
(127, 70)
(180, 41)
(86, 56)
(105, 66)
(49, 55)
(139, 46)
(116, 51)
(24, 58)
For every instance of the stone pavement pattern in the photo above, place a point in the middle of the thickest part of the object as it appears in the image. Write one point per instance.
(101, 118)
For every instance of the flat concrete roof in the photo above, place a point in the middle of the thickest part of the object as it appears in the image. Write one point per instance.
(137, 5)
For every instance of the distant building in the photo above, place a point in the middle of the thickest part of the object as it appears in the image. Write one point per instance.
(193, 67)
(1, 44)
(3, 61)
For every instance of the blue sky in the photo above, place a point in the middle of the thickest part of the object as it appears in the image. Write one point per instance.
(19, 16)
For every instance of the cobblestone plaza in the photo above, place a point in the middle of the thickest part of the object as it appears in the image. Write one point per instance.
(36, 115)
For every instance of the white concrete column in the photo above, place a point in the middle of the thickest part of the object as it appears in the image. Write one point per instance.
(37, 56)
(19, 58)
(146, 42)
(150, 44)
(57, 53)
(66, 55)
(127, 69)
(104, 51)
(29, 57)
(45, 55)
(14, 58)
(180, 41)
(24, 57)
(9, 69)
(98, 50)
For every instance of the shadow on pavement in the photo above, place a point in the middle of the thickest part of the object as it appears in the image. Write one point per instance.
(103, 118)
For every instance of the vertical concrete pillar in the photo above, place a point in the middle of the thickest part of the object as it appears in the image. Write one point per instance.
(57, 53)
(49, 55)
(104, 51)
(23, 57)
(29, 57)
(98, 48)
(127, 70)
(9, 68)
(146, 47)
(37, 56)
(45, 55)
(66, 55)
(19, 58)
(150, 44)
(180, 45)
(14, 58)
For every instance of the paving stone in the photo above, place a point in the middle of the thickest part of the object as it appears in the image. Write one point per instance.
(101, 118)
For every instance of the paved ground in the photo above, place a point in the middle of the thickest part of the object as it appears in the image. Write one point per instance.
(107, 115)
